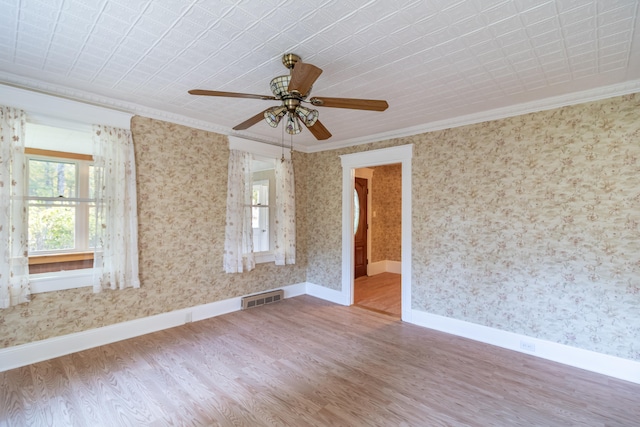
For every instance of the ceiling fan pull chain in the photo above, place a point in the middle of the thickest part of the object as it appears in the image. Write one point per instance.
(291, 148)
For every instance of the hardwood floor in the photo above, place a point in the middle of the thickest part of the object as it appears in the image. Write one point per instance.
(381, 292)
(307, 362)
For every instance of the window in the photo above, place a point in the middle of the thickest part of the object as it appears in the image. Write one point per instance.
(62, 125)
(263, 208)
(266, 159)
(61, 210)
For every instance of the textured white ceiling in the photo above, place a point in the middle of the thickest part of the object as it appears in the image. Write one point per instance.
(433, 61)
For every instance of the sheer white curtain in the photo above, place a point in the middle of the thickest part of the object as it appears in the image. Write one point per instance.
(14, 270)
(115, 263)
(285, 235)
(238, 234)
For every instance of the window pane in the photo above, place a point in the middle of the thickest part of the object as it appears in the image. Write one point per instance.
(260, 195)
(51, 227)
(260, 215)
(92, 226)
(51, 178)
(92, 184)
(260, 225)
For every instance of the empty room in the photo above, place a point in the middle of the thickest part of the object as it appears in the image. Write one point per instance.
(413, 213)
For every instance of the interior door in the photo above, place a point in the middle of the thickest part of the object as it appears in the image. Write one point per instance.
(360, 227)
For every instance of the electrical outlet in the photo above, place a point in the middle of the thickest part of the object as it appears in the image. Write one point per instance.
(528, 346)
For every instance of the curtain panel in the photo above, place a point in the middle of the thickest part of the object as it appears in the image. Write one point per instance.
(14, 270)
(115, 263)
(285, 235)
(238, 235)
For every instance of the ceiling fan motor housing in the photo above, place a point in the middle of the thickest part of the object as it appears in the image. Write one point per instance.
(290, 59)
(291, 101)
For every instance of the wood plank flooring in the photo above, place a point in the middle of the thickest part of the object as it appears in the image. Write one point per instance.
(381, 292)
(307, 362)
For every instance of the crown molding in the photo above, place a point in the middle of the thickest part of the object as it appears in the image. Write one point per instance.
(59, 91)
(574, 98)
(84, 97)
(60, 111)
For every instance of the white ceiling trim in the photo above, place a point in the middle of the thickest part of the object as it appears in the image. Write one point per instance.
(54, 90)
(104, 102)
(486, 116)
(62, 112)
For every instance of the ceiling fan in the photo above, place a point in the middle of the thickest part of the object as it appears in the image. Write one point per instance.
(293, 90)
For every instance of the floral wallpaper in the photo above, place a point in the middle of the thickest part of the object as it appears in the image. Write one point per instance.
(386, 226)
(529, 224)
(181, 184)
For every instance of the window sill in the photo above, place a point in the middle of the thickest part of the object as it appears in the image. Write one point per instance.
(60, 280)
(55, 258)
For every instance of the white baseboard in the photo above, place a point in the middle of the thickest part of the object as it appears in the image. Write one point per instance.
(394, 267)
(612, 366)
(295, 290)
(37, 351)
(378, 267)
(327, 294)
(385, 266)
(25, 354)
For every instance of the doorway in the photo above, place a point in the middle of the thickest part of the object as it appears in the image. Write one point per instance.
(401, 154)
(377, 218)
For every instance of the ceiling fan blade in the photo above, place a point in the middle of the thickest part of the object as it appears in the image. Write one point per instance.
(303, 77)
(229, 94)
(352, 103)
(319, 131)
(250, 122)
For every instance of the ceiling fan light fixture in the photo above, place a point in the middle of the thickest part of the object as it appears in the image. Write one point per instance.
(280, 85)
(293, 125)
(274, 114)
(309, 117)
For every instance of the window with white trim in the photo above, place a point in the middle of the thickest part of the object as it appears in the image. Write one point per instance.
(61, 210)
(61, 203)
(263, 168)
(263, 204)
(60, 124)
(61, 207)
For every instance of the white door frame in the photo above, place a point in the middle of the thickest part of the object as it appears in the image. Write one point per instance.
(385, 156)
